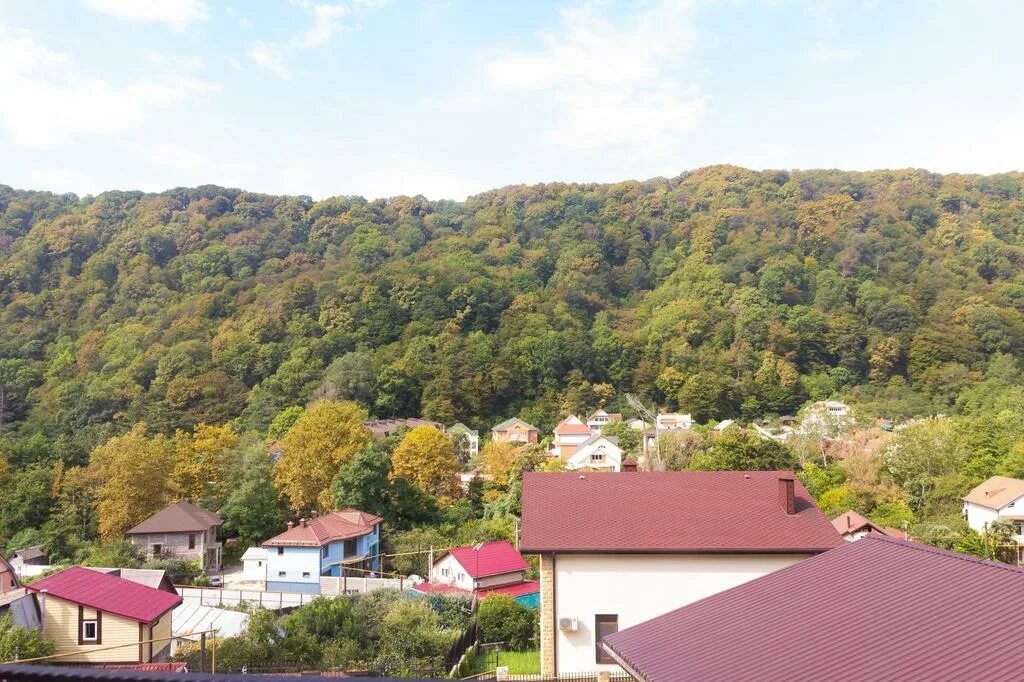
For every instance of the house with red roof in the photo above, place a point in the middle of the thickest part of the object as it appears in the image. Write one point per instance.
(619, 549)
(101, 618)
(487, 568)
(852, 526)
(876, 609)
(345, 542)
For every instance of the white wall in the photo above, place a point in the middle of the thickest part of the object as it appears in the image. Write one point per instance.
(456, 576)
(294, 562)
(978, 516)
(639, 587)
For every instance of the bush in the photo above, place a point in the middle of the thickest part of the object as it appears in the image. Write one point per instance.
(503, 619)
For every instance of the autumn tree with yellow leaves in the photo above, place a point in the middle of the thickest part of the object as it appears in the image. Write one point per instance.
(201, 461)
(326, 436)
(426, 458)
(132, 474)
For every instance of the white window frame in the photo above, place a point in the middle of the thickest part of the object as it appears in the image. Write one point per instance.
(95, 630)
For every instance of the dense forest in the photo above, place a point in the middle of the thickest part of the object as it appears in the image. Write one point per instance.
(724, 292)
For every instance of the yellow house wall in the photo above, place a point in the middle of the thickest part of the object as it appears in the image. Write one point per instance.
(161, 636)
(60, 623)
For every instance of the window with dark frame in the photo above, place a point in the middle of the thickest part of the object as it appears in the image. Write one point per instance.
(325, 551)
(280, 551)
(158, 550)
(604, 624)
(192, 541)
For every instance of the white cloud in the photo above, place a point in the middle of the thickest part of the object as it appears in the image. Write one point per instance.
(48, 99)
(326, 21)
(177, 14)
(270, 56)
(181, 61)
(612, 83)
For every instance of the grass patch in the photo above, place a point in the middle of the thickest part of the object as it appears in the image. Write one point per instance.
(518, 662)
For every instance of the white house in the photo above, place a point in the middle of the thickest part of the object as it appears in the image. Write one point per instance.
(852, 526)
(487, 568)
(600, 419)
(673, 422)
(597, 452)
(637, 424)
(472, 438)
(997, 499)
(254, 564)
(570, 433)
(619, 549)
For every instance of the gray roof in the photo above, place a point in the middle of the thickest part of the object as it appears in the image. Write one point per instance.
(509, 423)
(178, 517)
(462, 428)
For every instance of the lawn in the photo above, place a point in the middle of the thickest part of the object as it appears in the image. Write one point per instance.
(518, 662)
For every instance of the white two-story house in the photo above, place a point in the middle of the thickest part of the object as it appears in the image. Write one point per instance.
(344, 542)
(619, 549)
(598, 453)
(998, 499)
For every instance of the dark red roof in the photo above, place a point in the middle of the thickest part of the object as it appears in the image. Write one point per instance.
(493, 558)
(317, 532)
(874, 609)
(108, 593)
(684, 511)
(513, 590)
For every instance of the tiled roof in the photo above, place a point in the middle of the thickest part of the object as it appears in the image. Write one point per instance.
(108, 593)
(996, 492)
(686, 511)
(851, 522)
(572, 426)
(178, 517)
(875, 609)
(509, 423)
(493, 558)
(317, 532)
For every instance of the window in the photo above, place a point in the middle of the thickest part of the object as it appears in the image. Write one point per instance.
(280, 551)
(259, 563)
(305, 574)
(158, 549)
(90, 631)
(281, 574)
(324, 551)
(192, 541)
(350, 547)
(604, 625)
(597, 456)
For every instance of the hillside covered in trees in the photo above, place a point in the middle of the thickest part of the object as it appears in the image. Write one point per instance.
(723, 292)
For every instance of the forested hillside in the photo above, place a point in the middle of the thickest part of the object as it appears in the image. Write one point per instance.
(724, 292)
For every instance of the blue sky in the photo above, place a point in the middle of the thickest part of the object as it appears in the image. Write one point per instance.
(449, 98)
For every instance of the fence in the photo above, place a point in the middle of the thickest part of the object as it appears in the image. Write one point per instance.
(332, 587)
(466, 641)
(212, 596)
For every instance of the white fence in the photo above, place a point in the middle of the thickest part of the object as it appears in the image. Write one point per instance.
(329, 587)
(212, 596)
(332, 587)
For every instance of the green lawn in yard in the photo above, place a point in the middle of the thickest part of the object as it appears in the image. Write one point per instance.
(518, 662)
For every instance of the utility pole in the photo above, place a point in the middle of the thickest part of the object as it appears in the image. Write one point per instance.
(646, 415)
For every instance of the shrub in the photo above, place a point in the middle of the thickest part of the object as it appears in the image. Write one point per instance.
(503, 619)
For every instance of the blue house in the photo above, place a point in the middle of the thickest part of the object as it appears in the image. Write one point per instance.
(341, 543)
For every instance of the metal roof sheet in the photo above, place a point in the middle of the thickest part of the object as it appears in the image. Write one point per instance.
(686, 511)
(875, 609)
(107, 593)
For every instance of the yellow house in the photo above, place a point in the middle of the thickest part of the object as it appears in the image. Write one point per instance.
(99, 618)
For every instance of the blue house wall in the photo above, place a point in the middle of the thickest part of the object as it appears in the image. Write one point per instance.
(333, 553)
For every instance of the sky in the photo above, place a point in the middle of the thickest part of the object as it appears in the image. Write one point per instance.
(448, 98)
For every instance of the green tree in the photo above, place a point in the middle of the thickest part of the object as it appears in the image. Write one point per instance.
(18, 643)
(742, 451)
(503, 619)
(426, 459)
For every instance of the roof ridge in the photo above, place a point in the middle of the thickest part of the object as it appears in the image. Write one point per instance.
(930, 549)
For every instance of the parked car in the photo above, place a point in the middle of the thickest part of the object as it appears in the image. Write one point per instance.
(216, 581)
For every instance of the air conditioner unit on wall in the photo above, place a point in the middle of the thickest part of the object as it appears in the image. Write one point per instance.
(568, 624)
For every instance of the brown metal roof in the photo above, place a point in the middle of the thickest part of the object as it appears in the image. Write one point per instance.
(339, 525)
(875, 609)
(179, 517)
(678, 511)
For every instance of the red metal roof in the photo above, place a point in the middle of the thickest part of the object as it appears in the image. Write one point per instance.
(317, 532)
(107, 593)
(572, 426)
(493, 558)
(685, 511)
(874, 609)
(513, 590)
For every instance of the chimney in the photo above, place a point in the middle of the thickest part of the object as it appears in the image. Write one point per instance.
(787, 495)
(305, 522)
(291, 524)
